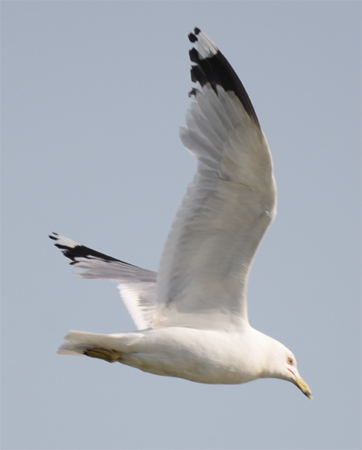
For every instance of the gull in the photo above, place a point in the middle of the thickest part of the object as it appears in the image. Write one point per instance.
(191, 316)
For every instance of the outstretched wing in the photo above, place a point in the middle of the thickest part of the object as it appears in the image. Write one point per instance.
(137, 286)
(228, 206)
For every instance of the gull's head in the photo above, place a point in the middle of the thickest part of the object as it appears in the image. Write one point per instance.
(281, 363)
(288, 365)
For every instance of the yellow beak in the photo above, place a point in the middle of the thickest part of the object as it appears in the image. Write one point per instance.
(303, 387)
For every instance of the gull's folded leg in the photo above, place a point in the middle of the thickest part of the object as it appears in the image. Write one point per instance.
(102, 353)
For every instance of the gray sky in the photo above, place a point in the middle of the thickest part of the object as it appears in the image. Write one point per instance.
(93, 94)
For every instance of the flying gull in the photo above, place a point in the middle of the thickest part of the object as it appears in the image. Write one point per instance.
(192, 316)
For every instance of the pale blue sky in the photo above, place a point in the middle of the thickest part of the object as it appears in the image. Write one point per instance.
(93, 94)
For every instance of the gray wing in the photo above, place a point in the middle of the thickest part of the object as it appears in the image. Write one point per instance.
(137, 286)
(228, 206)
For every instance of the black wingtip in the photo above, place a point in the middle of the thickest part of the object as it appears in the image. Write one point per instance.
(197, 75)
(215, 69)
(74, 251)
(192, 38)
(193, 92)
(53, 237)
(194, 55)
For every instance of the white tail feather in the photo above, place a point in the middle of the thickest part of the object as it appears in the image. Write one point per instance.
(77, 342)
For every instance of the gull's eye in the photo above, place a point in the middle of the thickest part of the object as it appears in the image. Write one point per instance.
(289, 360)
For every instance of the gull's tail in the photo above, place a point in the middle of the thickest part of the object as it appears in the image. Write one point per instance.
(79, 342)
(109, 347)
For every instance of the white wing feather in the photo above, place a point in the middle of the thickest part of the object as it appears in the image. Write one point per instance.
(228, 206)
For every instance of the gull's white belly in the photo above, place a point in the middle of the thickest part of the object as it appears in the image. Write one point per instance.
(198, 355)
